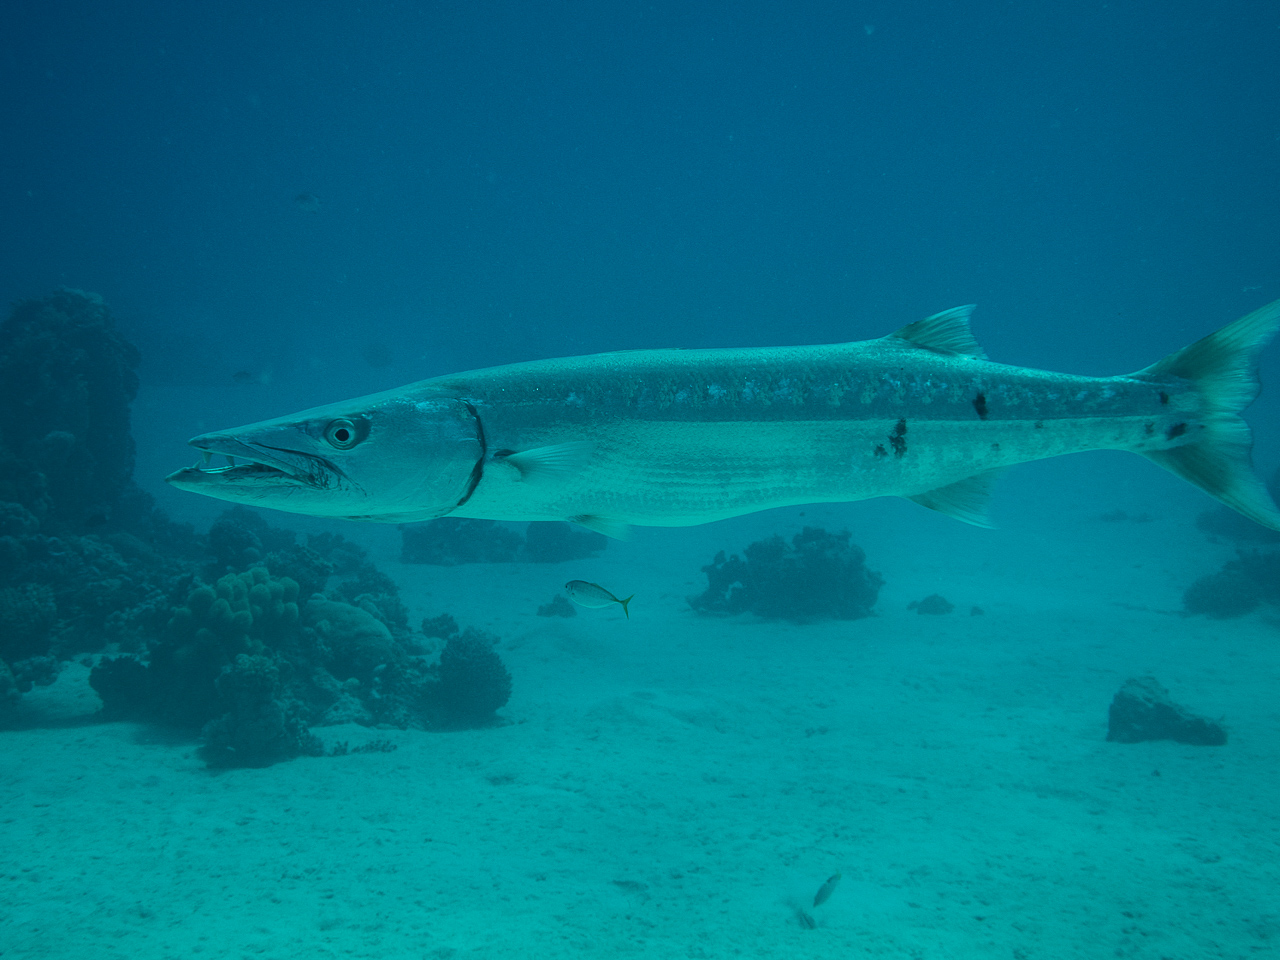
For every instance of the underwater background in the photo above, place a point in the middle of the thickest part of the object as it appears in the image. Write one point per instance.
(241, 733)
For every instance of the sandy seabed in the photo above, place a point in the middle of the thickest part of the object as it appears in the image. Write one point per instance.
(678, 786)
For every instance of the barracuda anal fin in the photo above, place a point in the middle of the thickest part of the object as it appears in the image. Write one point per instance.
(614, 529)
(965, 500)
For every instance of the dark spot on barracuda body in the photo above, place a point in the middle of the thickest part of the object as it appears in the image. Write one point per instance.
(1039, 424)
(995, 447)
(1149, 428)
(898, 439)
(1164, 397)
(881, 451)
(1177, 430)
(980, 405)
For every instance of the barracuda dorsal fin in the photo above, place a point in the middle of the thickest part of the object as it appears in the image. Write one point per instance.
(964, 500)
(946, 332)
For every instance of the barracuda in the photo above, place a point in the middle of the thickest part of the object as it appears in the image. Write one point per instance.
(682, 437)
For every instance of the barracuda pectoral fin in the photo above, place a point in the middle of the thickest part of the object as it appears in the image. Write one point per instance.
(965, 500)
(556, 462)
(616, 529)
(946, 332)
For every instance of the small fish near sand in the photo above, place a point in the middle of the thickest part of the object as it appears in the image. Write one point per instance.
(587, 594)
(804, 917)
(825, 891)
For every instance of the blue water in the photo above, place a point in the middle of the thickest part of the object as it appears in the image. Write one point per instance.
(287, 204)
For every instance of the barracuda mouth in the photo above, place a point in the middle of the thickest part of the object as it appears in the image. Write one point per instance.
(256, 465)
(240, 471)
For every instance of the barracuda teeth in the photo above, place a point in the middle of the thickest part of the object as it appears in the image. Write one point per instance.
(207, 457)
(231, 460)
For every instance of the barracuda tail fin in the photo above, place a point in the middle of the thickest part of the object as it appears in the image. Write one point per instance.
(1224, 369)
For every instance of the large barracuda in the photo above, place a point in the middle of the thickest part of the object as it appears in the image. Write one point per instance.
(680, 437)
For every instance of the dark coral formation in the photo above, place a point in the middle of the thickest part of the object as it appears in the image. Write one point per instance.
(1142, 710)
(934, 604)
(1242, 584)
(245, 634)
(1251, 579)
(474, 683)
(560, 542)
(85, 556)
(241, 538)
(558, 607)
(333, 657)
(818, 576)
(66, 381)
(451, 541)
(259, 728)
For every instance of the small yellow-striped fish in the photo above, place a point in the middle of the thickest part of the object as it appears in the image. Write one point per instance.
(587, 594)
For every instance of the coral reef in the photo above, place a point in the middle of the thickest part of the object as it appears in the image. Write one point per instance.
(451, 541)
(1142, 710)
(67, 378)
(246, 633)
(27, 615)
(559, 542)
(248, 613)
(351, 642)
(242, 661)
(241, 538)
(934, 604)
(85, 557)
(1252, 578)
(558, 607)
(474, 683)
(818, 576)
(259, 728)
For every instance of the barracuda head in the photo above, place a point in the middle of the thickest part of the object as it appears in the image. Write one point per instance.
(386, 458)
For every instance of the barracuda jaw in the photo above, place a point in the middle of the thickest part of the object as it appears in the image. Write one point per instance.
(207, 458)
(241, 470)
(252, 466)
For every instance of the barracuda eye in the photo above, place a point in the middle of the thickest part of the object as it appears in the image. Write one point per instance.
(343, 434)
